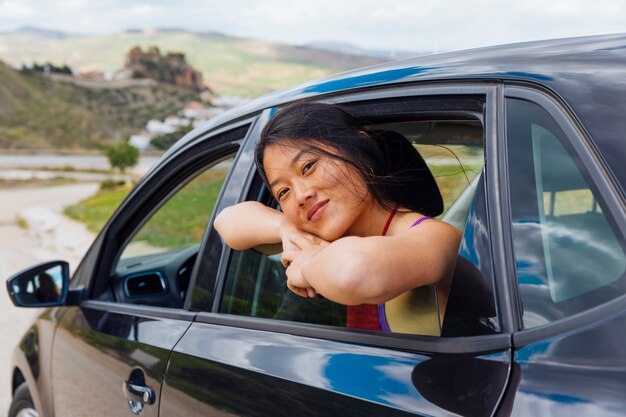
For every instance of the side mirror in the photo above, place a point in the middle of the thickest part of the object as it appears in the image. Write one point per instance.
(44, 285)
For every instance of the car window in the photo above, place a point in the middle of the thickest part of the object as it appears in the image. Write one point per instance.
(255, 284)
(155, 265)
(181, 221)
(569, 256)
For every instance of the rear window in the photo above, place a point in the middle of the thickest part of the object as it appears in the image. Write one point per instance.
(568, 255)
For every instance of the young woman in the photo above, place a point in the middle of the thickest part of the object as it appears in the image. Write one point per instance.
(356, 221)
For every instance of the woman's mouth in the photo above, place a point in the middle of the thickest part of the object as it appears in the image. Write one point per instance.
(316, 212)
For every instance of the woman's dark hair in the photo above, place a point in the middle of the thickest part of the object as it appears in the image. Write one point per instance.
(394, 171)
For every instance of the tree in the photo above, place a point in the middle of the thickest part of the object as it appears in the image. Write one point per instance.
(122, 155)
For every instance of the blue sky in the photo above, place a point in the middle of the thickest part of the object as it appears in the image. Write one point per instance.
(414, 25)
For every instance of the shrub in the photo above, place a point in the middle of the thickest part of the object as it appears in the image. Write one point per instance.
(122, 155)
(111, 184)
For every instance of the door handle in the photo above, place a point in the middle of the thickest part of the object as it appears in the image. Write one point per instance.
(139, 393)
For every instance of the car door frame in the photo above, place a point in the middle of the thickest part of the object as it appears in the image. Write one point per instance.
(471, 345)
(492, 178)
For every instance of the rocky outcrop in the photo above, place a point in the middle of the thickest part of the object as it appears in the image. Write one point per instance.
(171, 68)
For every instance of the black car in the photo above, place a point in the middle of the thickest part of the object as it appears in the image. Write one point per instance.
(527, 143)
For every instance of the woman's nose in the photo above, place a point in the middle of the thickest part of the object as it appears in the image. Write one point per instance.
(303, 192)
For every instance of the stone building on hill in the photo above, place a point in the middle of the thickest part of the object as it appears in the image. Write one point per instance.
(170, 68)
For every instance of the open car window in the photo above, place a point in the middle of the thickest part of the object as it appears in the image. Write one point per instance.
(452, 146)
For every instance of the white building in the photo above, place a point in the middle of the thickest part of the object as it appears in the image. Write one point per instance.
(157, 127)
(140, 142)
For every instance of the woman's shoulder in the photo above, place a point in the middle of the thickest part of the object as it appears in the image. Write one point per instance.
(414, 224)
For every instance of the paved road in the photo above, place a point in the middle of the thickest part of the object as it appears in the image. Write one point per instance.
(49, 236)
(78, 162)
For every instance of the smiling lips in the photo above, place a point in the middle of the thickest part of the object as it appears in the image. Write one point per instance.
(316, 211)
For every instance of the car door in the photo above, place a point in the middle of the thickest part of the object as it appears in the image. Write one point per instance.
(256, 350)
(569, 259)
(110, 352)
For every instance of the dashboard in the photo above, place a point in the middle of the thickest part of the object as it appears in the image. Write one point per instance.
(159, 279)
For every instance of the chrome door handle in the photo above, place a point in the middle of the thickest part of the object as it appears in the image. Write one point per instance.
(139, 393)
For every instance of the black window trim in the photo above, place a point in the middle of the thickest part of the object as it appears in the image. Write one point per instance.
(139, 310)
(430, 344)
(237, 183)
(600, 175)
(207, 245)
(411, 343)
(497, 190)
(593, 316)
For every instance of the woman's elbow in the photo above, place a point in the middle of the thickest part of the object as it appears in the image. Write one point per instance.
(352, 280)
(224, 228)
(220, 223)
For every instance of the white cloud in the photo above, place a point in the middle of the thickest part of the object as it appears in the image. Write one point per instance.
(15, 9)
(402, 25)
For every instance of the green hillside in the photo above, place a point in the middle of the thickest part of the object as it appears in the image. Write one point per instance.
(232, 66)
(39, 112)
(30, 118)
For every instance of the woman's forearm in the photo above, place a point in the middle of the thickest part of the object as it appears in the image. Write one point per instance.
(346, 272)
(249, 224)
(375, 269)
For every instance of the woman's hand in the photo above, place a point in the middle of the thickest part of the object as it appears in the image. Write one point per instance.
(298, 247)
(295, 262)
(294, 239)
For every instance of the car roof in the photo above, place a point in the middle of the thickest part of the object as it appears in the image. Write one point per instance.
(588, 73)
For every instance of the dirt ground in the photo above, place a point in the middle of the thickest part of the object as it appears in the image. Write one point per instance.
(42, 234)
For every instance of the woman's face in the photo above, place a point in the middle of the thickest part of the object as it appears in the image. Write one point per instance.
(318, 194)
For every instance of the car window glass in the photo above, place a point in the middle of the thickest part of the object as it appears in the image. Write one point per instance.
(568, 255)
(155, 265)
(256, 287)
(256, 283)
(181, 221)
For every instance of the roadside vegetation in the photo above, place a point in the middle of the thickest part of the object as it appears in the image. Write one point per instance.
(96, 210)
(35, 182)
(181, 221)
(452, 176)
(21, 222)
(122, 155)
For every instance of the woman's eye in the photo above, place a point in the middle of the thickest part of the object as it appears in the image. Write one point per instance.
(306, 167)
(281, 193)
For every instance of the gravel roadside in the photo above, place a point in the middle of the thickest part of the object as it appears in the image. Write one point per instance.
(48, 235)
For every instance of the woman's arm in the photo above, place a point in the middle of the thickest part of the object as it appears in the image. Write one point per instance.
(357, 270)
(250, 224)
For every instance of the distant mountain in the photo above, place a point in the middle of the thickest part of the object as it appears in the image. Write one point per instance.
(346, 48)
(229, 65)
(39, 33)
